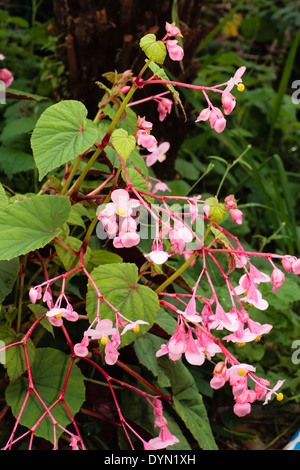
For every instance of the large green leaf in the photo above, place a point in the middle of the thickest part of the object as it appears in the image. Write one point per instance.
(31, 224)
(118, 283)
(61, 134)
(49, 371)
(188, 402)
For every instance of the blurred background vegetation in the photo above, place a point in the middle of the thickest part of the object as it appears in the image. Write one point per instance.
(264, 37)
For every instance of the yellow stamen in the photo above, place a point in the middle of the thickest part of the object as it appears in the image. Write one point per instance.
(258, 338)
(58, 316)
(240, 344)
(103, 340)
(279, 397)
(121, 211)
(242, 372)
(136, 328)
(241, 87)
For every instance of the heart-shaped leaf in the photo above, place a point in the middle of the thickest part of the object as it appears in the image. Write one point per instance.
(61, 134)
(154, 50)
(123, 143)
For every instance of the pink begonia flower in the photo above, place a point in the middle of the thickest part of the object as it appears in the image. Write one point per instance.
(56, 315)
(287, 262)
(126, 240)
(133, 325)
(193, 354)
(220, 376)
(228, 102)
(190, 313)
(111, 353)
(204, 115)
(172, 30)
(110, 224)
(121, 204)
(206, 209)
(2, 57)
(35, 293)
(157, 256)
(104, 328)
(235, 79)
(164, 107)
(277, 279)
(175, 51)
(160, 186)
(159, 154)
(296, 266)
(221, 320)
(239, 370)
(270, 393)
(81, 349)
(237, 216)
(146, 140)
(164, 439)
(6, 77)
(179, 236)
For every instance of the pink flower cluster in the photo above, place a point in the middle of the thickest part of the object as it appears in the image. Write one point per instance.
(119, 219)
(237, 376)
(174, 50)
(212, 113)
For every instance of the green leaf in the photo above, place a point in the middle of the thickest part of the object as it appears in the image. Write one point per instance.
(118, 283)
(14, 359)
(49, 371)
(31, 224)
(188, 402)
(217, 209)
(104, 257)
(14, 160)
(13, 94)
(123, 143)
(154, 50)
(9, 271)
(61, 134)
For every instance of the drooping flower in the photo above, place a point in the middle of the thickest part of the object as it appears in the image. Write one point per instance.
(172, 30)
(164, 107)
(175, 51)
(6, 77)
(146, 140)
(277, 279)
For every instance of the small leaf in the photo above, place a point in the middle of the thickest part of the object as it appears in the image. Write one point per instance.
(31, 224)
(154, 50)
(61, 134)
(217, 209)
(123, 143)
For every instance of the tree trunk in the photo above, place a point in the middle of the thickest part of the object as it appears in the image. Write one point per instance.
(99, 36)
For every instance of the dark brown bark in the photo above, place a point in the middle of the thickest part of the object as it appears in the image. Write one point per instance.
(99, 36)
